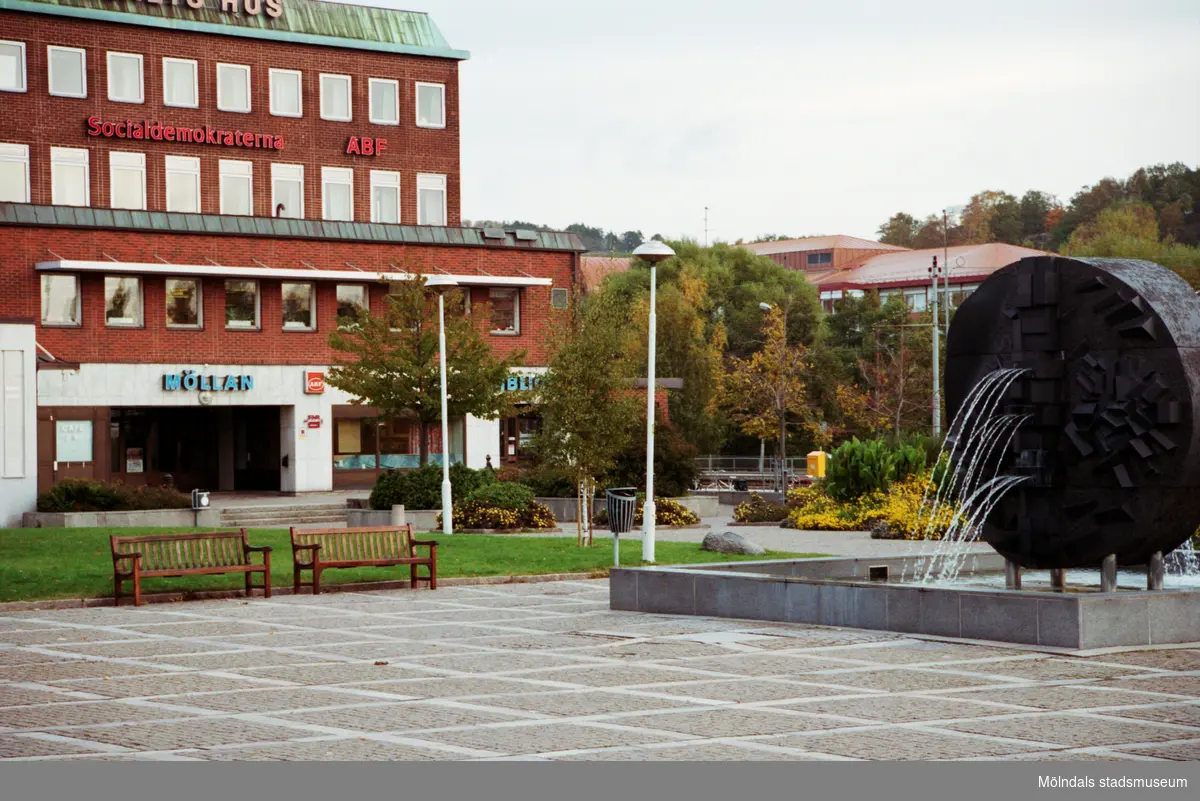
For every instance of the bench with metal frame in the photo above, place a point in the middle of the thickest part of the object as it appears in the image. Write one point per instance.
(373, 546)
(178, 555)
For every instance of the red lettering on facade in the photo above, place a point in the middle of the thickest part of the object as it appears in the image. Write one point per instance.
(380, 146)
(129, 129)
(352, 146)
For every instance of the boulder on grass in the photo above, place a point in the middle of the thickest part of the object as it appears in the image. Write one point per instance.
(730, 542)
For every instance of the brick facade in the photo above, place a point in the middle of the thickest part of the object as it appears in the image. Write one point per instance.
(42, 121)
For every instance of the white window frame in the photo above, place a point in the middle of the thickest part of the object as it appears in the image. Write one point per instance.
(516, 330)
(245, 69)
(131, 161)
(73, 157)
(141, 320)
(298, 327)
(78, 302)
(141, 98)
(24, 87)
(432, 181)
(331, 175)
(182, 165)
(395, 88)
(385, 179)
(238, 169)
(257, 324)
(417, 104)
(17, 154)
(195, 81)
(199, 324)
(349, 96)
(277, 171)
(50, 70)
(299, 92)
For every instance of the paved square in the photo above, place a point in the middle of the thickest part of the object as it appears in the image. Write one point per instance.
(547, 671)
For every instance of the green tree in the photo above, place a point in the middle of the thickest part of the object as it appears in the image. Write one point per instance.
(390, 361)
(991, 216)
(1130, 231)
(761, 392)
(1035, 210)
(630, 240)
(585, 400)
(900, 229)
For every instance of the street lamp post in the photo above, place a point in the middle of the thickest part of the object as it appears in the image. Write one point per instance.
(652, 251)
(782, 419)
(441, 284)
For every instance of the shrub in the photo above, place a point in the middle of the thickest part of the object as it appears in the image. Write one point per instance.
(904, 511)
(549, 484)
(505, 495)
(758, 510)
(908, 460)
(675, 468)
(422, 488)
(81, 495)
(473, 514)
(666, 513)
(859, 468)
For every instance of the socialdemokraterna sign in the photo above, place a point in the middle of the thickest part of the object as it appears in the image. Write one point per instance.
(202, 135)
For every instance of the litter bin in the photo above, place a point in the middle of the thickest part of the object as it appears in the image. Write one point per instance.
(620, 503)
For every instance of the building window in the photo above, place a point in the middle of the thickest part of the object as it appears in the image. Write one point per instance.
(241, 304)
(125, 78)
(335, 97)
(915, 299)
(287, 190)
(183, 184)
(67, 68)
(385, 196)
(337, 193)
(69, 183)
(506, 311)
(12, 66)
(122, 301)
(237, 187)
(184, 303)
(560, 298)
(126, 180)
(180, 83)
(233, 88)
(73, 441)
(431, 200)
(385, 101)
(299, 307)
(286, 93)
(355, 443)
(14, 173)
(816, 259)
(351, 299)
(60, 300)
(431, 105)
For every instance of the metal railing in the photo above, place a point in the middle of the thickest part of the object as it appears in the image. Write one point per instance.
(748, 464)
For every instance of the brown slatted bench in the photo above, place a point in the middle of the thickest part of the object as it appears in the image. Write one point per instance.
(177, 555)
(318, 549)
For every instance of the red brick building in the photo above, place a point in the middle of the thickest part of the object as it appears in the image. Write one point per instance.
(203, 185)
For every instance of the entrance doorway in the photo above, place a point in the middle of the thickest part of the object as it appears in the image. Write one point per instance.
(256, 460)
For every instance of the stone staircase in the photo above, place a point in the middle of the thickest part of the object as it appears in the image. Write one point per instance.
(282, 516)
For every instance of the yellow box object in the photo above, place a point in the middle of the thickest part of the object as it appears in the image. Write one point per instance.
(816, 464)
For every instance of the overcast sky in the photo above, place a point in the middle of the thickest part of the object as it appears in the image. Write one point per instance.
(802, 117)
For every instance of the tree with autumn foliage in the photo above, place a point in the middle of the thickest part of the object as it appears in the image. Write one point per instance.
(391, 361)
(759, 393)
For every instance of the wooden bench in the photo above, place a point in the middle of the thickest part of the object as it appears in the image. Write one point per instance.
(177, 555)
(318, 549)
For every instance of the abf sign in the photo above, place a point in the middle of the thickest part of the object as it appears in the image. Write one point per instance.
(314, 382)
(251, 8)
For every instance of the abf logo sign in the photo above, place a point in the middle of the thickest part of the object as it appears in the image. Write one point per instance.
(314, 382)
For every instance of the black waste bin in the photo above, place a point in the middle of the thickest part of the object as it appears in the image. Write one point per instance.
(620, 503)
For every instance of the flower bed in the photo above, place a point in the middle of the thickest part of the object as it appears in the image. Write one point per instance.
(759, 510)
(892, 514)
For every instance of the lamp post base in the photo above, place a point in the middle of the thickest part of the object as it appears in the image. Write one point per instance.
(447, 508)
(649, 518)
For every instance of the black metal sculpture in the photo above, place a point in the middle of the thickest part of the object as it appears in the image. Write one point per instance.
(1112, 445)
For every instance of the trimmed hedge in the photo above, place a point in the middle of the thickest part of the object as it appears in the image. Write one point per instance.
(81, 495)
(422, 488)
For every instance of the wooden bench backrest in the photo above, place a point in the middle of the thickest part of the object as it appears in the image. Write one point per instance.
(186, 551)
(356, 544)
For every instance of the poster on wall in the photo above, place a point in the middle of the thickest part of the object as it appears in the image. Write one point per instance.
(73, 440)
(134, 460)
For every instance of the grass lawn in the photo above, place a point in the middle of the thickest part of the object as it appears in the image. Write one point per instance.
(43, 563)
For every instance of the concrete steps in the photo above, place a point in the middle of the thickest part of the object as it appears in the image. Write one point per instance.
(281, 516)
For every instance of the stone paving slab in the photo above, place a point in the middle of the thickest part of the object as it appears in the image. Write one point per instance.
(545, 672)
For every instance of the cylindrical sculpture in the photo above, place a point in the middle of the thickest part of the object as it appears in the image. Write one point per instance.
(1111, 446)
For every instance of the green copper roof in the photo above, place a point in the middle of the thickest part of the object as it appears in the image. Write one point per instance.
(216, 224)
(302, 21)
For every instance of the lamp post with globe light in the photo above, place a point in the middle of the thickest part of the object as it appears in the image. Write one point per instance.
(652, 251)
(441, 283)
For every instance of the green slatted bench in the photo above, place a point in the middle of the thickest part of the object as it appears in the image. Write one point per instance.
(178, 555)
(318, 549)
